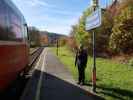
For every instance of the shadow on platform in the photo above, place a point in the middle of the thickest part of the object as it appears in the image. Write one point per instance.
(54, 88)
(14, 91)
(112, 91)
(116, 92)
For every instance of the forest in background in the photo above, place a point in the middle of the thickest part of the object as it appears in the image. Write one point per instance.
(114, 36)
(44, 38)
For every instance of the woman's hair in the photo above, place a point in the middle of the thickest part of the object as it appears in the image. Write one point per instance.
(81, 47)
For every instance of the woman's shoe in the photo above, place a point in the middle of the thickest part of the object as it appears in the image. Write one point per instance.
(78, 83)
(82, 83)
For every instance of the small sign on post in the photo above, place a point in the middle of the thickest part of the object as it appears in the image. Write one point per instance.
(93, 21)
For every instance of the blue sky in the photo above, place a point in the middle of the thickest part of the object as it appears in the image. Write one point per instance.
(53, 15)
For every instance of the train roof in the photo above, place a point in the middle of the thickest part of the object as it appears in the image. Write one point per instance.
(14, 8)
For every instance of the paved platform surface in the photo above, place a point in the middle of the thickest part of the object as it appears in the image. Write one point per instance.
(52, 81)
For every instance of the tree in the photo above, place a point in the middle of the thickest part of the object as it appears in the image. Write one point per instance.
(62, 41)
(102, 33)
(121, 39)
(78, 31)
(116, 31)
(44, 40)
(34, 35)
(71, 43)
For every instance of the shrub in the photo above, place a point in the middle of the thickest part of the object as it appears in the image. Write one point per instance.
(131, 62)
(121, 39)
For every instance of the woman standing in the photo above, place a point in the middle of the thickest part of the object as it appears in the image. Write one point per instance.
(81, 62)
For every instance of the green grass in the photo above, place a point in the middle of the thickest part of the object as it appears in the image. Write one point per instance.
(114, 80)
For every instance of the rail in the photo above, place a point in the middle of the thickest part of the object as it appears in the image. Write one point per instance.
(34, 55)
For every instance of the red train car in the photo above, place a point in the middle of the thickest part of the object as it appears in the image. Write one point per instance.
(13, 43)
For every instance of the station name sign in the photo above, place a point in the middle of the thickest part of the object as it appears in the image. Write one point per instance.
(94, 20)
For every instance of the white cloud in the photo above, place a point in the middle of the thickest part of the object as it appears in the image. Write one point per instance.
(49, 7)
(64, 12)
(50, 23)
(62, 29)
(34, 2)
(52, 18)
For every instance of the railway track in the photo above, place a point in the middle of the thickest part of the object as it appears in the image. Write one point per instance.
(33, 58)
(32, 50)
(34, 55)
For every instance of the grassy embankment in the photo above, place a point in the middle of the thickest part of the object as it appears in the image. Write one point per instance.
(114, 80)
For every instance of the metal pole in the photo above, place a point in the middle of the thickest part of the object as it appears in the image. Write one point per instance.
(57, 48)
(94, 65)
(95, 6)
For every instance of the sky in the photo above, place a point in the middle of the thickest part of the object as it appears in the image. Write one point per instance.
(54, 15)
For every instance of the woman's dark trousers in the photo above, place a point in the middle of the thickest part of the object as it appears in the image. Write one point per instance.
(81, 71)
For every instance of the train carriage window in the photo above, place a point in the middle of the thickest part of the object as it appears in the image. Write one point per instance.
(10, 24)
(2, 15)
(15, 25)
(3, 22)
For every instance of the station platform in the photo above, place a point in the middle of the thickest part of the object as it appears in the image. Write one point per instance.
(51, 80)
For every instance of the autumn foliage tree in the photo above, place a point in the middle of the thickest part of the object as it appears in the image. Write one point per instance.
(71, 43)
(121, 39)
(102, 33)
(34, 36)
(115, 35)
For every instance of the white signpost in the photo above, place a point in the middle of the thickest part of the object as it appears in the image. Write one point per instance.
(93, 21)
